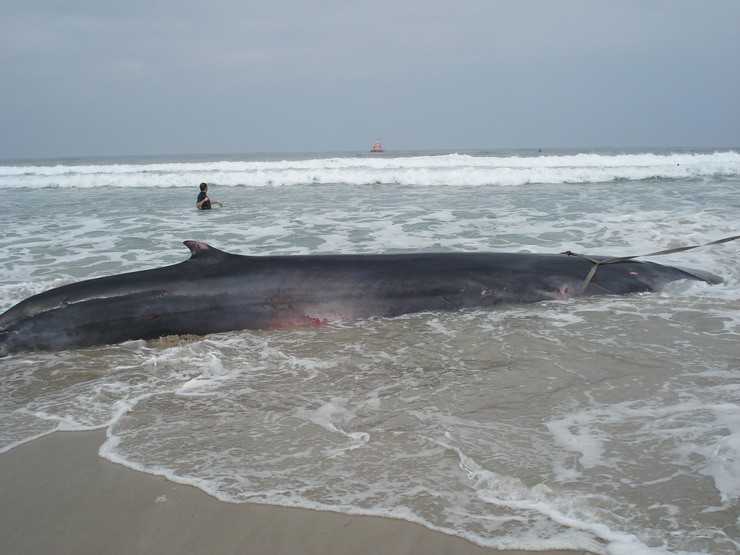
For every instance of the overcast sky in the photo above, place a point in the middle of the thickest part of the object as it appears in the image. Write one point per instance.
(104, 77)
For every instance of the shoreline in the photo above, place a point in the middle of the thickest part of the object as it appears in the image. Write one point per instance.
(60, 497)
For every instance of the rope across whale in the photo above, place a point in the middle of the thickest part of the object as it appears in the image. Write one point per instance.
(617, 260)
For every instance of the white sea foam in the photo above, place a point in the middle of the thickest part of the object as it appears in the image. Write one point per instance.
(449, 169)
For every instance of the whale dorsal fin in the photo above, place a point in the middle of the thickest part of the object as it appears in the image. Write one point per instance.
(201, 251)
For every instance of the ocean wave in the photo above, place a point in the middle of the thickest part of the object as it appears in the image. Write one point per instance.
(439, 170)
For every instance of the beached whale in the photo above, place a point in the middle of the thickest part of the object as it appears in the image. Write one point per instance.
(215, 291)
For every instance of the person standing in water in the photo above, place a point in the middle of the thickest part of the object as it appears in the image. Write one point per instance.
(203, 202)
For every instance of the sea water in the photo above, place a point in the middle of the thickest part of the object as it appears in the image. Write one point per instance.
(605, 424)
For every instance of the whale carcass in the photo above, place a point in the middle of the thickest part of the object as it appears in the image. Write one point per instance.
(215, 291)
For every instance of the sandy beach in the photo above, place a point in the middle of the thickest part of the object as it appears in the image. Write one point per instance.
(58, 496)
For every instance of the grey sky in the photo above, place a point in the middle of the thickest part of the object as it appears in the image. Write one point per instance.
(97, 77)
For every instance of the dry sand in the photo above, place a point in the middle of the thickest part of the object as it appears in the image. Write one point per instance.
(59, 497)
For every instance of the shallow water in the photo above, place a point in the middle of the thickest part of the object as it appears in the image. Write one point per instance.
(608, 424)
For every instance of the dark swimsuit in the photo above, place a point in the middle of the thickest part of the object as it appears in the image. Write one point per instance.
(206, 205)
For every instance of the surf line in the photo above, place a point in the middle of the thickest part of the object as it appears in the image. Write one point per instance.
(597, 263)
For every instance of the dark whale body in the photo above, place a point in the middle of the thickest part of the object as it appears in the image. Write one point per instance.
(215, 291)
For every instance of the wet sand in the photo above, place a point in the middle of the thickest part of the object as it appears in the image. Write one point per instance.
(58, 496)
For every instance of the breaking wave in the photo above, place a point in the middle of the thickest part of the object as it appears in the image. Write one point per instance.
(411, 170)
